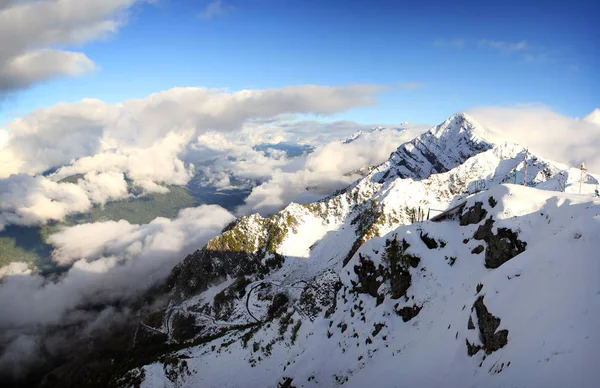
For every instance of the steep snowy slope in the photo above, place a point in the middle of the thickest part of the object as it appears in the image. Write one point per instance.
(506, 294)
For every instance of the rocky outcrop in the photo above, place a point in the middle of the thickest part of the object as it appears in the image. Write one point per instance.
(206, 267)
(396, 271)
(478, 249)
(407, 313)
(320, 295)
(473, 215)
(491, 339)
(501, 247)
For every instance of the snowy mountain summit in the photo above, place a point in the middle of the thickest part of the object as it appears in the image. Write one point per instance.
(433, 270)
(438, 150)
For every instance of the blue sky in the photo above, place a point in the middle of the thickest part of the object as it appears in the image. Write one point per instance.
(434, 59)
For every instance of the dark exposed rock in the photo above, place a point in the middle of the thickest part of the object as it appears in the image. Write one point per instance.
(366, 223)
(492, 201)
(430, 242)
(488, 324)
(279, 302)
(477, 250)
(502, 246)
(320, 294)
(472, 349)
(378, 327)
(408, 313)
(370, 278)
(473, 215)
(206, 267)
(224, 301)
(183, 327)
(286, 382)
(470, 324)
(399, 262)
(479, 287)
(154, 319)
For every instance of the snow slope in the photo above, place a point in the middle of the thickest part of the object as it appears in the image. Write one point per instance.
(547, 297)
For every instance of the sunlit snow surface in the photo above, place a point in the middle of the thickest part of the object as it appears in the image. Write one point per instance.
(548, 298)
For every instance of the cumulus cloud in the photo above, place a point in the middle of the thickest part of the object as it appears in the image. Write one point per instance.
(40, 65)
(56, 136)
(28, 200)
(330, 167)
(30, 29)
(114, 265)
(34, 200)
(150, 142)
(593, 117)
(547, 133)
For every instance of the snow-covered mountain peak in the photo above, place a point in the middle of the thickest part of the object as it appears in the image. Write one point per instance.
(440, 149)
(459, 124)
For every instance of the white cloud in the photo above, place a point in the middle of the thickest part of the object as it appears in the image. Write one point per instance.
(146, 140)
(27, 200)
(547, 133)
(55, 136)
(330, 167)
(112, 261)
(593, 117)
(103, 187)
(40, 65)
(30, 29)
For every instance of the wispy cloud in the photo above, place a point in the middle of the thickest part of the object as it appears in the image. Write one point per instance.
(216, 8)
(456, 43)
(529, 53)
(410, 85)
(503, 46)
